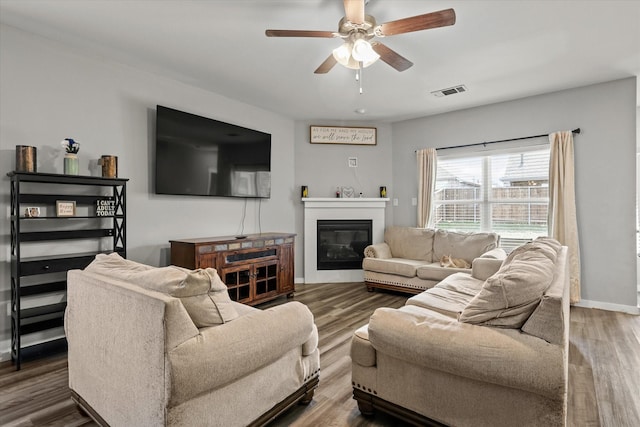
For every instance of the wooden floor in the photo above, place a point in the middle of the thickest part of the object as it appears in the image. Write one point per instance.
(604, 371)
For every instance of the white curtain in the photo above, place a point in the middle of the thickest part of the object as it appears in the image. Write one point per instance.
(427, 166)
(563, 224)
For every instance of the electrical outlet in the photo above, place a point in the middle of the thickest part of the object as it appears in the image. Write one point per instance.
(353, 162)
(395, 202)
(414, 201)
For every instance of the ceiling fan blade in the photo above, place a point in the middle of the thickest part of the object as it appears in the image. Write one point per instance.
(299, 33)
(391, 57)
(354, 11)
(327, 65)
(441, 18)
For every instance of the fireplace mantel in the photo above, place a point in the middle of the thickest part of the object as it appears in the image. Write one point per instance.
(319, 208)
(344, 202)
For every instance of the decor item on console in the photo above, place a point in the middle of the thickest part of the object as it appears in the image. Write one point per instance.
(409, 259)
(166, 346)
(71, 162)
(488, 348)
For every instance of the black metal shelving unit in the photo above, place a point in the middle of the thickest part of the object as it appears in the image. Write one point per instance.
(36, 276)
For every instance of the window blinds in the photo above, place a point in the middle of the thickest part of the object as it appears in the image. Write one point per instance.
(507, 193)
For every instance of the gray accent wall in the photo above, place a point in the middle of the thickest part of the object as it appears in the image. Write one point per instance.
(324, 167)
(605, 167)
(50, 92)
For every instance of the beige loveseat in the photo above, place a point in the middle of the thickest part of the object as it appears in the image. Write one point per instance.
(166, 346)
(473, 350)
(409, 259)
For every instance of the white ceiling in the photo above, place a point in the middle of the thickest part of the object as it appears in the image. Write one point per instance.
(500, 50)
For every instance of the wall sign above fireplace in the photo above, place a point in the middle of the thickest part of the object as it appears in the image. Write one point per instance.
(342, 135)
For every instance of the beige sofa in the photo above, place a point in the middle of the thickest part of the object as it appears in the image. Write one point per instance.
(473, 350)
(409, 259)
(166, 346)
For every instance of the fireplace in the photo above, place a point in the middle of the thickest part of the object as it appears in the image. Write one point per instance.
(341, 243)
(317, 209)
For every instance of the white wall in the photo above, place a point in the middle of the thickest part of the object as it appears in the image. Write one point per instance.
(323, 167)
(49, 92)
(605, 170)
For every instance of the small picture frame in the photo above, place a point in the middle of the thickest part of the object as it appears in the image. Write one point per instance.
(31, 212)
(65, 208)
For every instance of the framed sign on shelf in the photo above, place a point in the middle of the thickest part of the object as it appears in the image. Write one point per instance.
(342, 135)
(65, 208)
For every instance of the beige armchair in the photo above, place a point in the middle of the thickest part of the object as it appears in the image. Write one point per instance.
(136, 356)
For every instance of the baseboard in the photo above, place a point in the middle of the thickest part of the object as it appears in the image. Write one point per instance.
(629, 309)
(5, 349)
(299, 281)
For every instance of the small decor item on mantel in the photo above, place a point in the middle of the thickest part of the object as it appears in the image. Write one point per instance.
(383, 191)
(304, 191)
(71, 162)
(347, 192)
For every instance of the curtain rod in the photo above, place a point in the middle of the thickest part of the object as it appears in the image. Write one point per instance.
(502, 140)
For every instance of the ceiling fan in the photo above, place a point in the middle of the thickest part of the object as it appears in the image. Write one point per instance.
(357, 30)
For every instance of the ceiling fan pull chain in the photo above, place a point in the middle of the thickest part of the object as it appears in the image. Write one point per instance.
(359, 77)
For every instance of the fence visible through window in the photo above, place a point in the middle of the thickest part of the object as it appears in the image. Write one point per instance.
(505, 193)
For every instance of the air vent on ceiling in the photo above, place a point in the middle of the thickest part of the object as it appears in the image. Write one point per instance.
(449, 91)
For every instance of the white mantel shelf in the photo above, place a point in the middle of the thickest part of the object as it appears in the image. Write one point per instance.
(335, 202)
(323, 208)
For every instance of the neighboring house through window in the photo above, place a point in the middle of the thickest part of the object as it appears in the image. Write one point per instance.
(503, 192)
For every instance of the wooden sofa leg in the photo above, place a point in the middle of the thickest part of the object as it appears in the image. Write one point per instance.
(365, 402)
(307, 398)
(366, 408)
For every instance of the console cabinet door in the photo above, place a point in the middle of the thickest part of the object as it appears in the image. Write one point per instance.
(286, 275)
(239, 282)
(265, 277)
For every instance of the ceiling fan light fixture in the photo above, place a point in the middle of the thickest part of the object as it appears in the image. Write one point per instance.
(363, 52)
(351, 54)
(342, 54)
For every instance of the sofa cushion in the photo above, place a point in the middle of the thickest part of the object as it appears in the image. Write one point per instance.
(508, 298)
(410, 243)
(202, 292)
(450, 296)
(462, 245)
(399, 266)
(433, 271)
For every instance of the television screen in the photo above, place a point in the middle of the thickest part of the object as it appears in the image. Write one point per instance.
(205, 157)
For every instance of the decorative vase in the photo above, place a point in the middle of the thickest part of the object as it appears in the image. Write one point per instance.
(71, 164)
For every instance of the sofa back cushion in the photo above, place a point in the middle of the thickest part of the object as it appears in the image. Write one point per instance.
(202, 292)
(508, 298)
(467, 246)
(410, 242)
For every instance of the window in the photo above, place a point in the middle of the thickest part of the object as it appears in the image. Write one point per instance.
(507, 193)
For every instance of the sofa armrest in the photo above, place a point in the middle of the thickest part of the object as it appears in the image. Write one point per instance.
(500, 356)
(379, 250)
(496, 253)
(488, 264)
(224, 353)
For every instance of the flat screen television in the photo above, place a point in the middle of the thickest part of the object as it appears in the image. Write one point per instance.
(199, 156)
